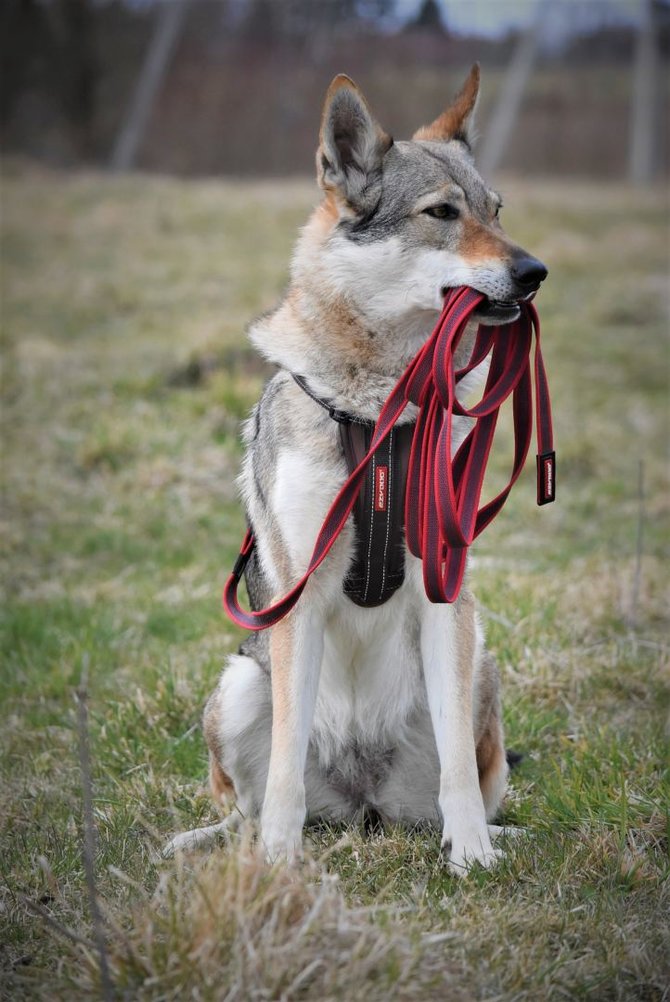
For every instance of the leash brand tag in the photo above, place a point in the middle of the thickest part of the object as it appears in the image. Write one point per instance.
(381, 487)
(546, 478)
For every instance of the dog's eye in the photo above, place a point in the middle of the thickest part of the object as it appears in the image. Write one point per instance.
(498, 208)
(444, 211)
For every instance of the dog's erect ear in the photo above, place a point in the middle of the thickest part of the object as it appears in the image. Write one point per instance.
(456, 122)
(352, 147)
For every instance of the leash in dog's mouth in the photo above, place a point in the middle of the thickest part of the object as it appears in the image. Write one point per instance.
(442, 498)
(500, 311)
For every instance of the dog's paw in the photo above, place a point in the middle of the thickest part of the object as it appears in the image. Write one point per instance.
(197, 838)
(184, 842)
(280, 848)
(508, 832)
(463, 857)
(281, 842)
(281, 830)
(469, 844)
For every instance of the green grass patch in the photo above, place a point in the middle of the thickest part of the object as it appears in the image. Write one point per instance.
(126, 375)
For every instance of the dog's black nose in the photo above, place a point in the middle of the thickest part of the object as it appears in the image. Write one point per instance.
(528, 271)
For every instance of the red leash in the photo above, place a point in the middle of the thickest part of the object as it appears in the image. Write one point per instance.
(442, 513)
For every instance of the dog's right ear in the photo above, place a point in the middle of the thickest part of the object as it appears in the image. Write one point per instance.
(352, 147)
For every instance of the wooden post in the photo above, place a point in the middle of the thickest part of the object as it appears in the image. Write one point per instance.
(643, 148)
(499, 129)
(166, 33)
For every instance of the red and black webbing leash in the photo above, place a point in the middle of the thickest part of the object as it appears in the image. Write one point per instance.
(442, 513)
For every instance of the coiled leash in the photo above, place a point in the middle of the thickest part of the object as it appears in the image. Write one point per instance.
(442, 496)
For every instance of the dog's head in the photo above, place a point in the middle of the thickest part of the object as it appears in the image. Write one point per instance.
(409, 220)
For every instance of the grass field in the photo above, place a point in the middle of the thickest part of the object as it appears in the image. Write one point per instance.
(126, 373)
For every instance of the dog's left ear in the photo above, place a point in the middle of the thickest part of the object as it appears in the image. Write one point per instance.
(352, 147)
(457, 121)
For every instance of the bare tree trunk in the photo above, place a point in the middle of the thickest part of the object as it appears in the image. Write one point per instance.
(79, 73)
(161, 47)
(642, 154)
(501, 125)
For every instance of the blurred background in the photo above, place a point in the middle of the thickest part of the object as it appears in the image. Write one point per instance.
(233, 87)
(158, 163)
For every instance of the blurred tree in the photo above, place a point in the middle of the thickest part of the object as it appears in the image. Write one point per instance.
(429, 17)
(77, 70)
(25, 36)
(49, 61)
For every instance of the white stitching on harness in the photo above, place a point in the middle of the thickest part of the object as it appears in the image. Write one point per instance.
(372, 513)
(388, 511)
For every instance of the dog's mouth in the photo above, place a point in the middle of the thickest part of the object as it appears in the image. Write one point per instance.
(500, 311)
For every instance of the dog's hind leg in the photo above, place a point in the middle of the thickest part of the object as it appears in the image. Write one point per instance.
(236, 723)
(220, 783)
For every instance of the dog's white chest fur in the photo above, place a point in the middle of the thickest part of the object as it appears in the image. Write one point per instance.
(370, 677)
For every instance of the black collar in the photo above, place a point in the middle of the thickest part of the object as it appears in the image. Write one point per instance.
(342, 417)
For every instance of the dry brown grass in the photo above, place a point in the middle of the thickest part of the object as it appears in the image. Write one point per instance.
(232, 928)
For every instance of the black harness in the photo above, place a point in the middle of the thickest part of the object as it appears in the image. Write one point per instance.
(378, 569)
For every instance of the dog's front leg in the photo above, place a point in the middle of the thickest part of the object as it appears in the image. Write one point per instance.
(296, 652)
(448, 648)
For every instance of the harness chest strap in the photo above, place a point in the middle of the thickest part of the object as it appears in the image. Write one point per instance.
(378, 566)
(442, 512)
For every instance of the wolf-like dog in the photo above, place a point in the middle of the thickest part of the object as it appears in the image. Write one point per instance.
(340, 709)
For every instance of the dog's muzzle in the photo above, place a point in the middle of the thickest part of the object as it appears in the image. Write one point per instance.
(527, 274)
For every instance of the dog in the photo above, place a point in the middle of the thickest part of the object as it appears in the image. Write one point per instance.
(339, 710)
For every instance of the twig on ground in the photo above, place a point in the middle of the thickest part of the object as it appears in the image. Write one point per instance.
(58, 927)
(637, 576)
(89, 833)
